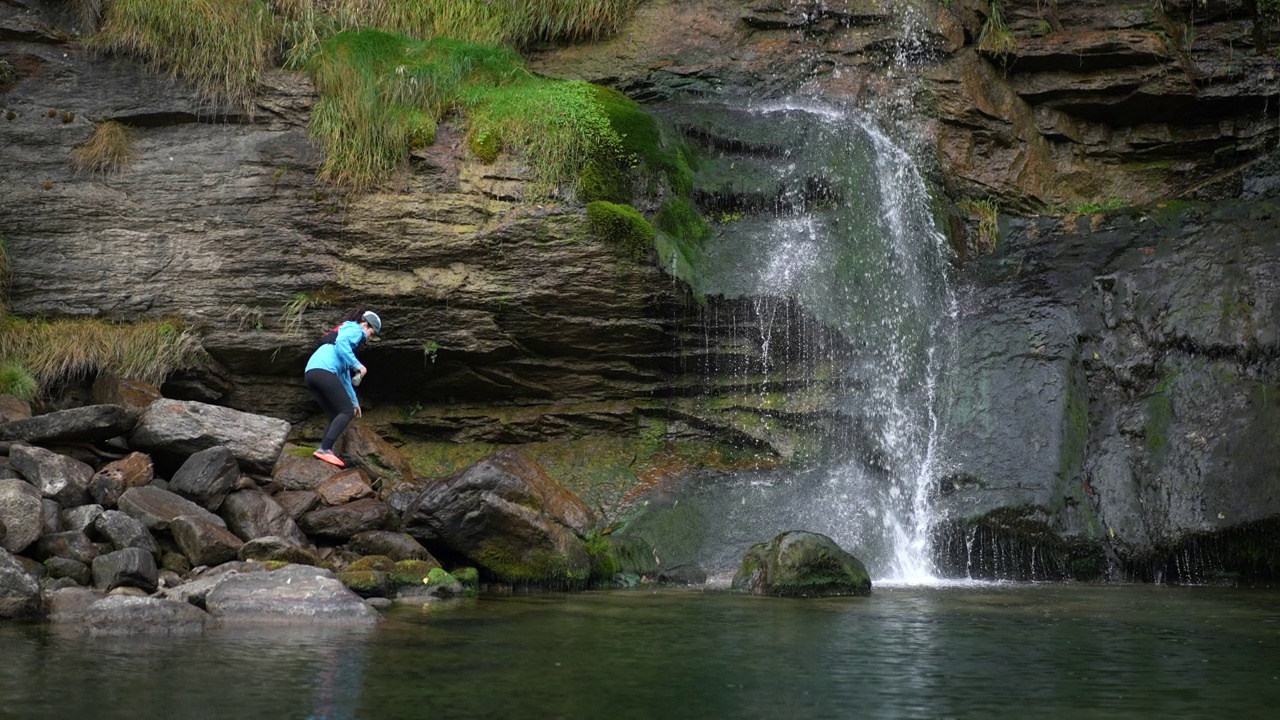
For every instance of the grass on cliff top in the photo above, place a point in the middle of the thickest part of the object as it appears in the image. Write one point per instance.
(382, 93)
(224, 46)
(50, 351)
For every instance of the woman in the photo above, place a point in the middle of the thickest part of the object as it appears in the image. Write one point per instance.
(329, 377)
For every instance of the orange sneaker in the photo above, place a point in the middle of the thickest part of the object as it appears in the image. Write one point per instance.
(329, 457)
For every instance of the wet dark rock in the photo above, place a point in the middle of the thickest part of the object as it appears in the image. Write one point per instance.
(206, 477)
(273, 548)
(72, 545)
(508, 516)
(301, 473)
(292, 594)
(801, 564)
(684, 574)
(123, 531)
(110, 482)
(61, 567)
(156, 508)
(344, 521)
(21, 513)
(382, 462)
(203, 542)
(81, 424)
(253, 514)
(297, 502)
(130, 567)
(57, 476)
(19, 591)
(344, 487)
(176, 429)
(395, 545)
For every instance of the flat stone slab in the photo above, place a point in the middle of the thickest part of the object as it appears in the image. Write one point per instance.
(294, 594)
(177, 429)
(82, 424)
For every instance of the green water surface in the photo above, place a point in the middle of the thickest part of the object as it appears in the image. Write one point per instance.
(994, 651)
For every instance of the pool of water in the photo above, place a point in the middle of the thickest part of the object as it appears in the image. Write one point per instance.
(955, 651)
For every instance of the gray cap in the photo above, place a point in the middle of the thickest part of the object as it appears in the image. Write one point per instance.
(374, 321)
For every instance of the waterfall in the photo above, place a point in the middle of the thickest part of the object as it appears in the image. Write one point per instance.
(841, 287)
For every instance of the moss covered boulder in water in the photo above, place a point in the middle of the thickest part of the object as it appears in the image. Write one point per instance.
(801, 564)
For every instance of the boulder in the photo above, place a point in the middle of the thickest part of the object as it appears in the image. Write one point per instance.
(50, 516)
(176, 429)
(301, 473)
(131, 616)
(382, 461)
(123, 531)
(73, 545)
(297, 502)
(253, 514)
(13, 408)
(157, 508)
(19, 592)
(344, 487)
(293, 594)
(130, 567)
(76, 571)
(21, 514)
(110, 482)
(206, 477)
(273, 548)
(344, 521)
(137, 396)
(395, 545)
(507, 516)
(801, 564)
(80, 519)
(81, 424)
(59, 477)
(203, 542)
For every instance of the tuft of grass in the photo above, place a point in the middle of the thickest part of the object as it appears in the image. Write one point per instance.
(996, 39)
(107, 150)
(987, 214)
(16, 381)
(622, 226)
(55, 350)
(221, 46)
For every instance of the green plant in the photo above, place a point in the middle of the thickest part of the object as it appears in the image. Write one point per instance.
(987, 215)
(1097, 206)
(622, 226)
(221, 46)
(16, 381)
(61, 349)
(429, 350)
(7, 73)
(995, 38)
(107, 150)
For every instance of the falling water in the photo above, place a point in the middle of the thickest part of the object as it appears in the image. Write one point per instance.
(846, 279)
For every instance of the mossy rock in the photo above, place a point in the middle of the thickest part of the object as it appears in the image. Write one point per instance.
(617, 559)
(412, 572)
(380, 563)
(440, 582)
(366, 583)
(801, 564)
(621, 226)
(468, 576)
(535, 567)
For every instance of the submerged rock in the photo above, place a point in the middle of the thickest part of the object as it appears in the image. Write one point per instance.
(292, 594)
(801, 564)
(129, 615)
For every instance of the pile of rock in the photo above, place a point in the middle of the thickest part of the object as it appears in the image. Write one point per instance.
(184, 507)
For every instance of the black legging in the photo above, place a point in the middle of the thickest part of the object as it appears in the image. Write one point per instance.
(333, 399)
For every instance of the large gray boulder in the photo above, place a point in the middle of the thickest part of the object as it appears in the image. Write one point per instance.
(273, 548)
(130, 616)
(21, 514)
(395, 545)
(206, 477)
(176, 429)
(203, 542)
(253, 514)
(801, 564)
(506, 515)
(59, 477)
(156, 508)
(294, 594)
(19, 592)
(73, 545)
(123, 531)
(130, 567)
(81, 518)
(81, 424)
(344, 521)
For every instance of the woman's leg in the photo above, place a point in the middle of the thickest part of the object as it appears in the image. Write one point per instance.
(333, 399)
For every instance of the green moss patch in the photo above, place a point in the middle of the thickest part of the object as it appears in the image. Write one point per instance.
(621, 226)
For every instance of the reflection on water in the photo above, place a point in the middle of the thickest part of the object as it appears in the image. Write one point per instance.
(968, 651)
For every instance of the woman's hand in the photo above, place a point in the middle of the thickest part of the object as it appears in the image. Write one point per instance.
(357, 411)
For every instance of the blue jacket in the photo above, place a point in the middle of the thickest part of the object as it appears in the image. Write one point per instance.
(340, 357)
